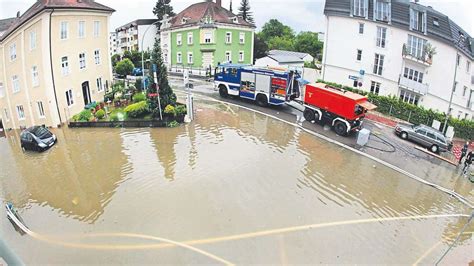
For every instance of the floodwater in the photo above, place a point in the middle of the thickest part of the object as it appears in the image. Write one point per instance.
(237, 185)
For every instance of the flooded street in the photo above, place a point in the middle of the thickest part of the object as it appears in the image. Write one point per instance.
(238, 185)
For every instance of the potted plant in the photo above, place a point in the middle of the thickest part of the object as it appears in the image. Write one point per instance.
(430, 52)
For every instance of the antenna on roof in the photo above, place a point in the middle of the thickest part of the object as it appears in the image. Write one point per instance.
(18, 14)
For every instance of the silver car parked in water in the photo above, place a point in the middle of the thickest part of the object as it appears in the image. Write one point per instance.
(426, 136)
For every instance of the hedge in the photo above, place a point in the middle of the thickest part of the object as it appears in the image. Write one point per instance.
(393, 106)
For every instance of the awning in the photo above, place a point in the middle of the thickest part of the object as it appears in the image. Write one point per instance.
(368, 105)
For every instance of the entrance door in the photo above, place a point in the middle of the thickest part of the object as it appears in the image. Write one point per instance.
(86, 93)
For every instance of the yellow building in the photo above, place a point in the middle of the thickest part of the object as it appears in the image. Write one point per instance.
(54, 60)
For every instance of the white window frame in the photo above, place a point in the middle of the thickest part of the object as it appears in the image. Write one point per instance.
(190, 56)
(32, 40)
(179, 58)
(41, 113)
(464, 91)
(13, 52)
(179, 39)
(375, 87)
(15, 84)
(97, 57)
(242, 38)
(228, 56)
(2, 90)
(100, 86)
(378, 64)
(190, 38)
(206, 35)
(63, 30)
(468, 66)
(241, 56)
(415, 20)
(381, 40)
(81, 29)
(361, 28)
(359, 8)
(65, 65)
(416, 46)
(20, 111)
(34, 76)
(82, 61)
(357, 55)
(409, 97)
(382, 11)
(228, 37)
(69, 98)
(96, 28)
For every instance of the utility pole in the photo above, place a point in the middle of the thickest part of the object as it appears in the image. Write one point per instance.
(143, 60)
(189, 96)
(155, 79)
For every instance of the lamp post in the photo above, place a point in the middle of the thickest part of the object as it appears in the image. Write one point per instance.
(143, 51)
(460, 42)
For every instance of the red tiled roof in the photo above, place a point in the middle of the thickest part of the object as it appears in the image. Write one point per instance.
(42, 5)
(196, 12)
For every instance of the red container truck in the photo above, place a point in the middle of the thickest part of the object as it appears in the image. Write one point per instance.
(343, 110)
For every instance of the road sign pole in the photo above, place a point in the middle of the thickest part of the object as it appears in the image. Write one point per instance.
(155, 79)
(189, 96)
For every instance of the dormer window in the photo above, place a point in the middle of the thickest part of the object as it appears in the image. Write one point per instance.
(184, 20)
(382, 10)
(207, 20)
(234, 19)
(359, 8)
(417, 20)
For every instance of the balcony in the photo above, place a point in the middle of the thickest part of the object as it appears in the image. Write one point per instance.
(423, 59)
(208, 47)
(412, 85)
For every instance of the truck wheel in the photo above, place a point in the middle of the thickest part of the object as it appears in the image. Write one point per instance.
(223, 91)
(262, 100)
(308, 115)
(340, 128)
(434, 149)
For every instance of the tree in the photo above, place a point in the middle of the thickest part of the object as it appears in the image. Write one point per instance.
(115, 59)
(244, 11)
(124, 67)
(230, 6)
(166, 93)
(161, 9)
(281, 43)
(274, 28)
(260, 48)
(307, 42)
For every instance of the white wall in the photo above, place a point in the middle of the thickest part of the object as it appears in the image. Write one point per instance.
(150, 36)
(267, 61)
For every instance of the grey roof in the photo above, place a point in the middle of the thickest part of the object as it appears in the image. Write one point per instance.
(286, 58)
(288, 53)
(6, 23)
(137, 22)
(447, 31)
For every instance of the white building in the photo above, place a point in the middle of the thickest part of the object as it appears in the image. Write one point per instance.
(283, 61)
(113, 43)
(302, 56)
(131, 35)
(387, 46)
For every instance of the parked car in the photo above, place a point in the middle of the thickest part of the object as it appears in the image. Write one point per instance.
(137, 71)
(37, 139)
(425, 136)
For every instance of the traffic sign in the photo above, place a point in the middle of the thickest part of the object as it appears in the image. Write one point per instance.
(155, 68)
(353, 77)
(362, 72)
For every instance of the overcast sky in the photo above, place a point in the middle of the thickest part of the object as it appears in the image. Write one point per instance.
(301, 15)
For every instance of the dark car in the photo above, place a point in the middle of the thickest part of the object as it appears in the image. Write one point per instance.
(37, 139)
(426, 136)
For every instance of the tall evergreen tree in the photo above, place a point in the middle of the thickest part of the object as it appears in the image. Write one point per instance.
(166, 93)
(161, 9)
(244, 11)
(230, 7)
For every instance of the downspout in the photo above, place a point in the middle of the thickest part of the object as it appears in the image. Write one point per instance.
(52, 70)
(326, 47)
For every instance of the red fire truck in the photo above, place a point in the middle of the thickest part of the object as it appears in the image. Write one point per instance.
(343, 110)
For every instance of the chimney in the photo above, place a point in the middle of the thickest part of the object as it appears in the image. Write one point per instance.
(219, 2)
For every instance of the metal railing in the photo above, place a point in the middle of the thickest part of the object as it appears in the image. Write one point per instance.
(420, 58)
(416, 86)
(203, 72)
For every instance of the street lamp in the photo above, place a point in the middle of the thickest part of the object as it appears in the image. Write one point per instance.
(143, 51)
(460, 42)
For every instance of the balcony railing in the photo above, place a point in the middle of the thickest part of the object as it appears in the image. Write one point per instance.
(412, 85)
(422, 59)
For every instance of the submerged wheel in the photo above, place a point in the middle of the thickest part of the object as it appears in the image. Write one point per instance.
(223, 91)
(309, 115)
(434, 149)
(340, 128)
(404, 135)
(262, 100)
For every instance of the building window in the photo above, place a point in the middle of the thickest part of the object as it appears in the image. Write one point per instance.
(190, 58)
(413, 74)
(359, 8)
(241, 56)
(34, 76)
(2, 90)
(416, 46)
(190, 38)
(228, 37)
(409, 97)
(82, 29)
(361, 28)
(15, 84)
(464, 91)
(13, 52)
(378, 64)
(436, 22)
(96, 28)
(375, 87)
(179, 58)
(208, 37)
(455, 86)
(99, 85)
(97, 57)
(228, 56)
(458, 60)
(64, 26)
(7, 117)
(64, 65)
(40, 110)
(242, 38)
(468, 66)
(21, 112)
(417, 20)
(69, 98)
(82, 60)
(382, 10)
(381, 37)
(32, 40)
(359, 55)
(179, 39)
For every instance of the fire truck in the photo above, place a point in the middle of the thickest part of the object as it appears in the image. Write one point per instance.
(343, 110)
(266, 86)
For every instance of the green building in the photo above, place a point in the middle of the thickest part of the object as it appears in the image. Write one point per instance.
(204, 35)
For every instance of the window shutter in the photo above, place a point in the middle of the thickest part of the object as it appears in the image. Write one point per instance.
(375, 10)
(424, 22)
(366, 8)
(352, 8)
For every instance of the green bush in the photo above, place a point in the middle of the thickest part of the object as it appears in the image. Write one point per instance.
(139, 97)
(100, 114)
(173, 124)
(113, 117)
(170, 110)
(393, 106)
(180, 110)
(137, 109)
(84, 116)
